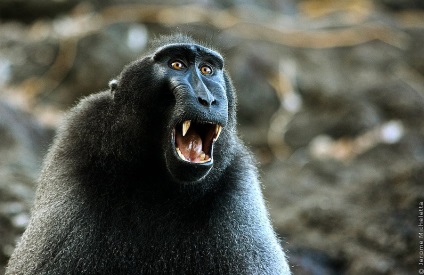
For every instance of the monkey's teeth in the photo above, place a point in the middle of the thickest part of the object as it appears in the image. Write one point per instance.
(191, 155)
(218, 129)
(180, 154)
(186, 126)
(204, 158)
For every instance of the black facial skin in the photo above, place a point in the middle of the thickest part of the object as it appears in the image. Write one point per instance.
(115, 197)
(199, 97)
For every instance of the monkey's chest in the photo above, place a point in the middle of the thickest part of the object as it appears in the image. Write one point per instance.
(172, 251)
(196, 242)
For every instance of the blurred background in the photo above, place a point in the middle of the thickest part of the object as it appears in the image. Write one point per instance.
(331, 101)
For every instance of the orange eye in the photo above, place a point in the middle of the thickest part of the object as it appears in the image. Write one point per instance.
(205, 70)
(177, 65)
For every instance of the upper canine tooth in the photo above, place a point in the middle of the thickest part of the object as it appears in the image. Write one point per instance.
(218, 129)
(186, 125)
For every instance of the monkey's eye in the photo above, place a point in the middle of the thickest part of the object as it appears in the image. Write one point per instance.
(206, 70)
(177, 65)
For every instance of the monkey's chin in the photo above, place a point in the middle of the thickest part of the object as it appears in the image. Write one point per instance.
(187, 172)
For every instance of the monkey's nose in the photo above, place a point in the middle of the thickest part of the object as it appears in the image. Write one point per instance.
(207, 102)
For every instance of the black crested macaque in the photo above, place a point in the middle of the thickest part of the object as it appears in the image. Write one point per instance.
(150, 177)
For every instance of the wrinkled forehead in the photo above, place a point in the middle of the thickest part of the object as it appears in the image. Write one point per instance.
(189, 50)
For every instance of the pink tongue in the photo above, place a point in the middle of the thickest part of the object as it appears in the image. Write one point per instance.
(190, 145)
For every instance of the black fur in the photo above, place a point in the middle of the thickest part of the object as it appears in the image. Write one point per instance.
(113, 198)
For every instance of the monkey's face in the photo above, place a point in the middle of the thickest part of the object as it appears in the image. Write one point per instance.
(195, 77)
(188, 94)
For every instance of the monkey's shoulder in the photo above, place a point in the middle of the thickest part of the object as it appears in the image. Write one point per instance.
(91, 106)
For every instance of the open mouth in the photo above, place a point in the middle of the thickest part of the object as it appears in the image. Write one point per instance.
(194, 140)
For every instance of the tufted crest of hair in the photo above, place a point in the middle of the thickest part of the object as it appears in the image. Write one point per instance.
(177, 38)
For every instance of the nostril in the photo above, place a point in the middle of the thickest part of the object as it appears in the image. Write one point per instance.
(203, 102)
(213, 102)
